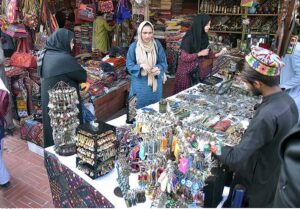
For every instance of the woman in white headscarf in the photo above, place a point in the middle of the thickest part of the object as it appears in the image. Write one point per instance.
(146, 62)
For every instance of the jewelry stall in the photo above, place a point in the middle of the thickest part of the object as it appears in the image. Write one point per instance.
(165, 158)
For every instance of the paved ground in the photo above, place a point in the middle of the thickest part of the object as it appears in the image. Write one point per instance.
(29, 186)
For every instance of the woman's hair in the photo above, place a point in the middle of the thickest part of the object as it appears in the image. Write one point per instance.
(251, 75)
(147, 24)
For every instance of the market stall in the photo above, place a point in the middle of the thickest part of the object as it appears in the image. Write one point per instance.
(192, 129)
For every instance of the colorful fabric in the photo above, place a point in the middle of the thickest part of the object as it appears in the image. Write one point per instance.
(70, 190)
(186, 63)
(32, 131)
(264, 61)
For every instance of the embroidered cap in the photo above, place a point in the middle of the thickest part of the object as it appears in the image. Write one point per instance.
(264, 61)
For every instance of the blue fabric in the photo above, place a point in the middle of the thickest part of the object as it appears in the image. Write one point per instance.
(1, 133)
(290, 75)
(4, 175)
(87, 115)
(139, 84)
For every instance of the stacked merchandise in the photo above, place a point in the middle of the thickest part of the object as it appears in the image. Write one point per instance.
(63, 111)
(96, 149)
(176, 29)
(165, 4)
(32, 131)
(83, 37)
(159, 32)
(173, 40)
(161, 8)
(103, 75)
(177, 6)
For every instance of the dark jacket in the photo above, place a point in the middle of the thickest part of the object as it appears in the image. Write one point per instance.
(255, 159)
(57, 64)
(288, 190)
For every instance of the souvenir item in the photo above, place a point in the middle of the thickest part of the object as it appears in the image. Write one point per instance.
(96, 149)
(131, 110)
(63, 113)
(163, 106)
(199, 124)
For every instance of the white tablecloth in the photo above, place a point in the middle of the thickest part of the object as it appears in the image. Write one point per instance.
(106, 184)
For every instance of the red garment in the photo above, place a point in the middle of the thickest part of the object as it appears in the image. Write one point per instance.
(188, 62)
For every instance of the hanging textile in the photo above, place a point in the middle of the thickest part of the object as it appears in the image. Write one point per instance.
(123, 13)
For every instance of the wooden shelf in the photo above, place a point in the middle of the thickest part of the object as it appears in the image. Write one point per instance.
(224, 31)
(225, 14)
(240, 32)
(263, 33)
(241, 14)
(263, 15)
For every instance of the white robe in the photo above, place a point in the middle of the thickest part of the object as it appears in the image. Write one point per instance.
(4, 175)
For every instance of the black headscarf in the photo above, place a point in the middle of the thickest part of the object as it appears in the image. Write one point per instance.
(56, 58)
(196, 39)
(60, 40)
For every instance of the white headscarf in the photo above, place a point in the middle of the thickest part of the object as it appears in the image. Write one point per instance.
(146, 53)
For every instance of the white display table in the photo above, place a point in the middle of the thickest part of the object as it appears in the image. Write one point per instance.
(106, 184)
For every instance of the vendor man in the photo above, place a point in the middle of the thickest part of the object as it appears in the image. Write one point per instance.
(255, 159)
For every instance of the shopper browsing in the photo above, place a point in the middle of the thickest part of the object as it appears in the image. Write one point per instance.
(101, 29)
(146, 62)
(255, 159)
(195, 54)
(57, 64)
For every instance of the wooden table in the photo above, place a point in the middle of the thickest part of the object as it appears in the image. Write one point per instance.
(115, 100)
(112, 102)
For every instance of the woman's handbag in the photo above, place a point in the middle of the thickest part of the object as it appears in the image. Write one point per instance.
(23, 57)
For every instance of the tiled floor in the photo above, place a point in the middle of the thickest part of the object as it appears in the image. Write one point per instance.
(29, 186)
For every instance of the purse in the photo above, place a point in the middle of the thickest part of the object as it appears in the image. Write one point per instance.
(23, 57)
(194, 76)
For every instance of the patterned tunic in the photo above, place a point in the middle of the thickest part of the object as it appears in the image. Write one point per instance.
(187, 63)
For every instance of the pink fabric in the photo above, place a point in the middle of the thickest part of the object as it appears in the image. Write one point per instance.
(187, 62)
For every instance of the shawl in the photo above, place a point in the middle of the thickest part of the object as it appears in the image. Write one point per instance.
(146, 53)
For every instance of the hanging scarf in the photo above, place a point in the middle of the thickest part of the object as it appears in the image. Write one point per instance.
(146, 54)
